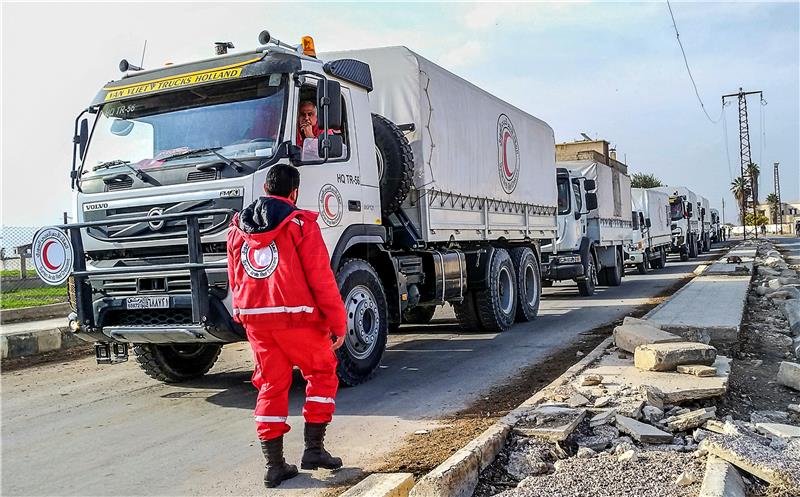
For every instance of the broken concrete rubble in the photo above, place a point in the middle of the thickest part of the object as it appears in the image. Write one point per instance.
(754, 457)
(780, 430)
(642, 432)
(668, 356)
(588, 380)
(697, 370)
(789, 375)
(603, 417)
(629, 336)
(550, 422)
(691, 419)
(577, 400)
(721, 480)
(791, 310)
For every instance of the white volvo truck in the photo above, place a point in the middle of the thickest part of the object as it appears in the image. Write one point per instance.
(594, 195)
(651, 230)
(429, 189)
(684, 223)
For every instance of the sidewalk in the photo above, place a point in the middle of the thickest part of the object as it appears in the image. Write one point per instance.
(28, 338)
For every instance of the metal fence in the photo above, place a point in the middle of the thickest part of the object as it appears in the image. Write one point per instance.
(19, 284)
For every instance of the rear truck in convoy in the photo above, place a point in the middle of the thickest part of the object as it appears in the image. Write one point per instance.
(594, 195)
(651, 230)
(429, 191)
(716, 227)
(684, 224)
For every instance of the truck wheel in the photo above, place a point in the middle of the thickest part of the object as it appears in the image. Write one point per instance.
(467, 314)
(587, 286)
(176, 362)
(642, 267)
(419, 314)
(528, 283)
(613, 275)
(684, 255)
(497, 303)
(367, 321)
(395, 163)
(692, 248)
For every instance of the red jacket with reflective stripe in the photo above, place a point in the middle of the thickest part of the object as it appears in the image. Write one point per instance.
(279, 269)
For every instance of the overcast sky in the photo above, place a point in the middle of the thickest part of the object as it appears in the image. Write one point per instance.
(611, 70)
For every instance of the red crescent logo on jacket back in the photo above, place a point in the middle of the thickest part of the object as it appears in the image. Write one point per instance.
(259, 263)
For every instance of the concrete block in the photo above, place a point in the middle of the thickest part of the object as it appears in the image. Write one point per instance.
(550, 422)
(642, 432)
(780, 430)
(638, 321)
(668, 356)
(690, 420)
(752, 456)
(697, 370)
(603, 417)
(50, 340)
(721, 480)
(789, 375)
(458, 475)
(629, 336)
(382, 485)
(577, 400)
(791, 310)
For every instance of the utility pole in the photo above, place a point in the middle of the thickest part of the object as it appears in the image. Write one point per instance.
(777, 182)
(744, 154)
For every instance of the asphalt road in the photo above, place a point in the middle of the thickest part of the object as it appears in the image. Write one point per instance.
(76, 428)
(791, 248)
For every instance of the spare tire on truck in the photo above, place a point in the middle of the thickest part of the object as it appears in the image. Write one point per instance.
(395, 163)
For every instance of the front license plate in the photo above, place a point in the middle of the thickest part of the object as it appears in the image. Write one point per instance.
(147, 302)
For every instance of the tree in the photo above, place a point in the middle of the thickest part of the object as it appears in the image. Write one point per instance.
(752, 172)
(772, 200)
(645, 180)
(740, 189)
(757, 220)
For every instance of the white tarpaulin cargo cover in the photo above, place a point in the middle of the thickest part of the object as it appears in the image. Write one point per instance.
(654, 205)
(704, 203)
(613, 215)
(483, 166)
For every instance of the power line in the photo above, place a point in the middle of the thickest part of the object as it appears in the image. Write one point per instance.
(688, 70)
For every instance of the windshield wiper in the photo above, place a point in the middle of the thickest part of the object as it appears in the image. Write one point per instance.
(127, 164)
(236, 164)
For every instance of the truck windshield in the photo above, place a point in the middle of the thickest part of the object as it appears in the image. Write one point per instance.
(240, 120)
(564, 191)
(676, 210)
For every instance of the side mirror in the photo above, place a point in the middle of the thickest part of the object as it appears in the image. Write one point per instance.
(287, 150)
(648, 223)
(329, 104)
(330, 146)
(703, 212)
(577, 215)
(589, 185)
(591, 201)
(83, 137)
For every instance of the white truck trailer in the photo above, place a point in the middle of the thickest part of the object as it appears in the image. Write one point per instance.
(716, 227)
(706, 223)
(594, 195)
(685, 226)
(651, 230)
(429, 189)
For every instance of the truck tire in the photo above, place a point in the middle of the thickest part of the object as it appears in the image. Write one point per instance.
(467, 314)
(497, 303)
(367, 321)
(528, 283)
(395, 163)
(684, 255)
(692, 248)
(642, 267)
(587, 286)
(613, 275)
(174, 363)
(419, 314)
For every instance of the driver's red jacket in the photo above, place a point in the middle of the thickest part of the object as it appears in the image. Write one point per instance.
(279, 270)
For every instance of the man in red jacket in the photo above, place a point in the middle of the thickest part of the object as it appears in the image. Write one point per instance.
(285, 295)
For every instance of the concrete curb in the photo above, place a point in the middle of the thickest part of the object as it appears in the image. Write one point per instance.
(458, 475)
(37, 342)
(382, 485)
(36, 313)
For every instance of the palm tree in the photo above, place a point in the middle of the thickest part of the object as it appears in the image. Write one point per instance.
(740, 189)
(772, 200)
(752, 171)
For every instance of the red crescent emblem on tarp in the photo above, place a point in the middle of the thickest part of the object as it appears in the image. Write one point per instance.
(509, 172)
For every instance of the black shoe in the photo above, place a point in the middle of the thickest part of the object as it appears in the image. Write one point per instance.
(277, 469)
(315, 456)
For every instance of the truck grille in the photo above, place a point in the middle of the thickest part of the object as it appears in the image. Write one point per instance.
(123, 184)
(201, 176)
(155, 229)
(149, 317)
